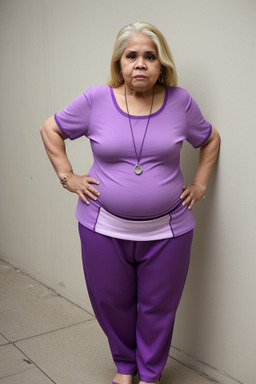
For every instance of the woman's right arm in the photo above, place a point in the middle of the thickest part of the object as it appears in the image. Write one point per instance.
(54, 142)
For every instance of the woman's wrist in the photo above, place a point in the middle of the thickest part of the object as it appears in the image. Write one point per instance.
(64, 177)
(200, 187)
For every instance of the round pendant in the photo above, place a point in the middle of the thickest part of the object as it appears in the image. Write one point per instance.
(138, 169)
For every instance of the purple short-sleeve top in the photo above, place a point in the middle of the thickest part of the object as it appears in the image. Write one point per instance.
(156, 192)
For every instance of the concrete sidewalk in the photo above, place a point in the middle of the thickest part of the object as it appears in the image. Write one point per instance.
(46, 339)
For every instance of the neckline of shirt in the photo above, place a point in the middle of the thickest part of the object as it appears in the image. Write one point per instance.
(137, 116)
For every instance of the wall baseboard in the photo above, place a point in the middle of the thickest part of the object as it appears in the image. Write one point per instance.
(204, 369)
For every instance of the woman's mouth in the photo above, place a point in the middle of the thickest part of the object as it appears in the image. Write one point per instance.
(140, 77)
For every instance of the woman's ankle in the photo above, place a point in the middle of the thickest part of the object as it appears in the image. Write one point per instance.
(122, 379)
(153, 382)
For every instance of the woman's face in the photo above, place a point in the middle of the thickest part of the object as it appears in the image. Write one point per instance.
(139, 63)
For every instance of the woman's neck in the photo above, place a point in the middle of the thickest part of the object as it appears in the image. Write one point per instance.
(137, 93)
(139, 103)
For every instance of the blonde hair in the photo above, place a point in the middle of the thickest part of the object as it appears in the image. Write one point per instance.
(169, 73)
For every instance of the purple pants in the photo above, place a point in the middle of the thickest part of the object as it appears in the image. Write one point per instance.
(135, 289)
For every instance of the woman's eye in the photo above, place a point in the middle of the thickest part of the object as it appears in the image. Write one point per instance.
(131, 56)
(149, 56)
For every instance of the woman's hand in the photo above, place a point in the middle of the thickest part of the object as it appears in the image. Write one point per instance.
(82, 185)
(191, 194)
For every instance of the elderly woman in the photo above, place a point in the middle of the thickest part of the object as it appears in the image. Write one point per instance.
(134, 210)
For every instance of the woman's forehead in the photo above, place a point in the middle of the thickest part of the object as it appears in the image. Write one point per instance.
(140, 41)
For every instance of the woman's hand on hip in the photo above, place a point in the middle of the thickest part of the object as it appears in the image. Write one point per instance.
(191, 194)
(82, 185)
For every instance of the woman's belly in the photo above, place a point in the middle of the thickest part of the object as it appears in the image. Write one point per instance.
(138, 197)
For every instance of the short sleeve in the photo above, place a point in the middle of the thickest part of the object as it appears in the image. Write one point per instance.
(74, 120)
(198, 129)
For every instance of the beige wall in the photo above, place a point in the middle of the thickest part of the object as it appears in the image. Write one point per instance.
(50, 52)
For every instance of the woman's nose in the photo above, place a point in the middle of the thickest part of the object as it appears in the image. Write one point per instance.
(140, 63)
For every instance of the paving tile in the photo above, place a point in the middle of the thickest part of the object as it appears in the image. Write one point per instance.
(32, 376)
(44, 315)
(17, 289)
(75, 355)
(176, 372)
(4, 266)
(12, 361)
(3, 340)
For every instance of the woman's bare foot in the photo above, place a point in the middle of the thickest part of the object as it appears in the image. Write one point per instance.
(123, 379)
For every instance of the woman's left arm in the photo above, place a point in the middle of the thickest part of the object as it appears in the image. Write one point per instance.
(207, 159)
